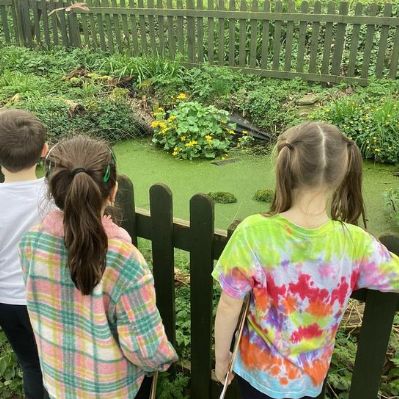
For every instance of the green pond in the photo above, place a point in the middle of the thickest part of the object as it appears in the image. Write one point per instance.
(147, 165)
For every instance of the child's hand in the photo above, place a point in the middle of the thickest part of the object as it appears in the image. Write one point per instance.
(221, 369)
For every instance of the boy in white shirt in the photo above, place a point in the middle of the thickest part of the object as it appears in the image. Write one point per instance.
(22, 144)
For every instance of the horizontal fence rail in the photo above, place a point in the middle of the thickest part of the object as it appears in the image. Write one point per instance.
(205, 244)
(324, 43)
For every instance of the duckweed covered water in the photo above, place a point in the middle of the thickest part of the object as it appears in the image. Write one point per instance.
(147, 165)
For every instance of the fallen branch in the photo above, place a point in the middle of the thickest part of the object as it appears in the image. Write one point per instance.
(75, 6)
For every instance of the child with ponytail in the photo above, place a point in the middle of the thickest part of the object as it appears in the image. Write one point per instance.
(90, 294)
(299, 263)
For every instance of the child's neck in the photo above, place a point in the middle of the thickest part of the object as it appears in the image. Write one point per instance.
(309, 208)
(23, 175)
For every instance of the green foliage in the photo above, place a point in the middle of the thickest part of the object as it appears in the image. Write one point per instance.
(172, 388)
(265, 195)
(222, 197)
(193, 130)
(391, 198)
(370, 121)
(10, 373)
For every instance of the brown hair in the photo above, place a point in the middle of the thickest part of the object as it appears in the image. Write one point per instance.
(82, 173)
(314, 154)
(22, 138)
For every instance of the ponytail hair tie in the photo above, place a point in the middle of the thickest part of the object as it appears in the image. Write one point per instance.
(288, 145)
(75, 171)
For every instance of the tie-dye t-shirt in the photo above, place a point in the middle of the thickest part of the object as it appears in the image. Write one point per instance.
(300, 282)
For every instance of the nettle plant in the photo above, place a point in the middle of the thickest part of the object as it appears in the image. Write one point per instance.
(192, 130)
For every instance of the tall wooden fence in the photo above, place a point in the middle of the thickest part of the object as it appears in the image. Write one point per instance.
(271, 38)
(205, 244)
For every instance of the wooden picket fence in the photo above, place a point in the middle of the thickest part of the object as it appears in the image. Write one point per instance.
(205, 244)
(271, 38)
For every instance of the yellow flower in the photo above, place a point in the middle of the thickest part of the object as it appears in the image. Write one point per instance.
(208, 137)
(155, 124)
(162, 125)
(191, 143)
(244, 132)
(172, 118)
(182, 138)
(231, 131)
(182, 96)
(176, 150)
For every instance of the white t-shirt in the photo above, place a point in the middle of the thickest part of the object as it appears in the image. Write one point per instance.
(22, 205)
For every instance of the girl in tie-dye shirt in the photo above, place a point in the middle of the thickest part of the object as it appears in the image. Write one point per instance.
(300, 264)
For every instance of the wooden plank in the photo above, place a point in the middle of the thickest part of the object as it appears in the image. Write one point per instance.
(277, 38)
(171, 33)
(328, 37)
(26, 23)
(108, 27)
(151, 26)
(16, 24)
(290, 36)
(265, 37)
(92, 29)
(382, 46)
(161, 207)
(201, 294)
(100, 24)
(243, 36)
(314, 41)
(180, 29)
(135, 30)
(339, 41)
(4, 22)
(378, 316)
(143, 30)
(63, 25)
(211, 33)
(221, 35)
(232, 34)
(44, 17)
(393, 66)
(117, 28)
(302, 39)
(125, 202)
(254, 37)
(161, 30)
(54, 25)
(191, 34)
(125, 26)
(34, 5)
(200, 33)
(73, 29)
(354, 43)
(373, 10)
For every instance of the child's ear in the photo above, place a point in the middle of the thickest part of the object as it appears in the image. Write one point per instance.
(44, 150)
(114, 192)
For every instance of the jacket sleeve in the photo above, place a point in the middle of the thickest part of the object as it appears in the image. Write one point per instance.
(140, 330)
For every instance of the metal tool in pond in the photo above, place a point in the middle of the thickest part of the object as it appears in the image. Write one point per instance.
(153, 393)
(238, 335)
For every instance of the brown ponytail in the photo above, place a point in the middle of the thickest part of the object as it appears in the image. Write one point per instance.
(347, 203)
(81, 178)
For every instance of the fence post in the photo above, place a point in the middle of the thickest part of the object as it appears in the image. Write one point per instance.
(125, 202)
(374, 337)
(201, 266)
(161, 207)
(74, 29)
(25, 27)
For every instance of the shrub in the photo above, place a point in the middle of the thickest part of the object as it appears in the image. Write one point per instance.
(371, 123)
(222, 197)
(391, 198)
(193, 130)
(266, 195)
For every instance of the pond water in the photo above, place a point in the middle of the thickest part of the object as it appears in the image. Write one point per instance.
(147, 165)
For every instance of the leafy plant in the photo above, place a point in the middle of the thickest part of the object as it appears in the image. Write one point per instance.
(222, 197)
(173, 387)
(391, 198)
(265, 195)
(193, 130)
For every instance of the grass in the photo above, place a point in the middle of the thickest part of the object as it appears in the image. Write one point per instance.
(146, 165)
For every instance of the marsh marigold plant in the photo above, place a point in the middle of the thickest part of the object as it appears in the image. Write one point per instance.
(192, 130)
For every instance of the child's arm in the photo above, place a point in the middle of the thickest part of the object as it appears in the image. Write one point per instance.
(140, 330)
(227, 315)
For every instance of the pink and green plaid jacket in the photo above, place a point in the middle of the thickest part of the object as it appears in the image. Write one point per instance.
(99, 345)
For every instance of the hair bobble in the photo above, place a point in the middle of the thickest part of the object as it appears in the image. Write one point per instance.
(75, 171)
(288, 145)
